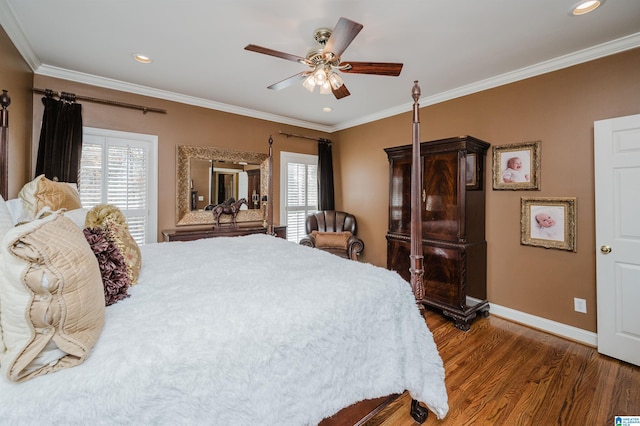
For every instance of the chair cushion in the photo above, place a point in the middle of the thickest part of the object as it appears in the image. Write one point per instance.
(332, 239)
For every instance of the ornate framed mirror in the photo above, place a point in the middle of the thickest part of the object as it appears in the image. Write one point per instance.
(227, 174)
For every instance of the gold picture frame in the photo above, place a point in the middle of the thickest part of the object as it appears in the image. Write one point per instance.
(517, 166)
(548, 222)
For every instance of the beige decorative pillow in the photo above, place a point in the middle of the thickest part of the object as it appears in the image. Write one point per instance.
(331, 239)
(120, 236)
(112, 220)
(96, 217)
(42, 192)
(51, 296)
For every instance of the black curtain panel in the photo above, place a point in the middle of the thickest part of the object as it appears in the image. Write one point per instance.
(60, 144)
(326, 199)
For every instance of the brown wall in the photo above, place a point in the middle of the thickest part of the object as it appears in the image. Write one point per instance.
(16, 77)
(182, 125)
(557, 109)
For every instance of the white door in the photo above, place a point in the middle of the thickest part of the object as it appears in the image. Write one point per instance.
(617, 176)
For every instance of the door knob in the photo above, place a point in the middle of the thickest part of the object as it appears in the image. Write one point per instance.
(605, 249)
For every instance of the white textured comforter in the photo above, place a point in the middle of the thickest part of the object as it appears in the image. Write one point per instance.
(248, 330)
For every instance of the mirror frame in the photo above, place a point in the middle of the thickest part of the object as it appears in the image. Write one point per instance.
(184, 215)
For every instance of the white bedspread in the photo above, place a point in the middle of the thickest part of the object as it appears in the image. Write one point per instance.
(250, 330)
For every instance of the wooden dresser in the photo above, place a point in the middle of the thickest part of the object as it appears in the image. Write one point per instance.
(453, 224)
(222, 231)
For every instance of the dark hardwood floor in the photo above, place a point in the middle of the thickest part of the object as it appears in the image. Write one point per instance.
(503, 373)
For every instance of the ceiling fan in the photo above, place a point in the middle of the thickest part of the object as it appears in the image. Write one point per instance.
(325, 62)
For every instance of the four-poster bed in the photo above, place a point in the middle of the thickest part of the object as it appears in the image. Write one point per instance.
(294, 337)
(5, 101)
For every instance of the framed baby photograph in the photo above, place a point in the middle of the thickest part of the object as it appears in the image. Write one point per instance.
(516, 166)
(548, 222)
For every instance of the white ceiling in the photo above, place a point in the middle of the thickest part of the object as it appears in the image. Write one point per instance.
(453, 47)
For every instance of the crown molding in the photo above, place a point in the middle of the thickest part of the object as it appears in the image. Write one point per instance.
(138, 89)
(606, 49)
(11, 26)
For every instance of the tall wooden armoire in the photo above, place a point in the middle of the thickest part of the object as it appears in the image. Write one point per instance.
(453, 224)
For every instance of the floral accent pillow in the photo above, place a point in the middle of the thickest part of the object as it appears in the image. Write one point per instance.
(113, 268)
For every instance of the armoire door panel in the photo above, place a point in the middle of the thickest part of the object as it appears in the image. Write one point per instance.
(441, 214)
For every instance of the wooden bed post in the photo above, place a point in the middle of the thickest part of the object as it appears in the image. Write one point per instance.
(416, 269)
(418, 412)
(5, 100)
(270, 190)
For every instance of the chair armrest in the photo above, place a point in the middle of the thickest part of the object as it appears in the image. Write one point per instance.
(354, 247)
(308, 241)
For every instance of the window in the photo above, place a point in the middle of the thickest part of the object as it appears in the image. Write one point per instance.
(119, 168)
(298, 192)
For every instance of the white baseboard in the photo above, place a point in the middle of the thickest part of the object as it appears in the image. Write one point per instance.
(553, 327)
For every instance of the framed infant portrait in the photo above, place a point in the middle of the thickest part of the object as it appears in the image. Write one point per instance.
(516, 166)
(548, 222)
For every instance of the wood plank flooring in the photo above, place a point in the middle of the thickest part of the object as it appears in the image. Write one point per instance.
(503, 373)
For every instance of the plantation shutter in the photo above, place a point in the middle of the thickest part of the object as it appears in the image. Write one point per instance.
(116, 171)
(300, 193)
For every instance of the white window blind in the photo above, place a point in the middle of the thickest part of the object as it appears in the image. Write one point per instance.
(120, 170)
(299, 192)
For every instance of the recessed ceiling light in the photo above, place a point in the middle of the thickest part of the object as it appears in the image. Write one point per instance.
(141, 58)
(586, 6)
(327, 109)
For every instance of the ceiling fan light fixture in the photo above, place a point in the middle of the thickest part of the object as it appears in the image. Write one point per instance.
(335, 80)
(325, 88)
(309, 83)
(324, 61)
(320, 75)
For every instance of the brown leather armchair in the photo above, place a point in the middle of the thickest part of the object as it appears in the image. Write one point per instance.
(335, 232)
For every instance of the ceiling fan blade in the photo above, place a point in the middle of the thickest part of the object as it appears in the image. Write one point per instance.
(379, 68)
(340, 92)
(276, 53)
(289, 81)
(341, 37)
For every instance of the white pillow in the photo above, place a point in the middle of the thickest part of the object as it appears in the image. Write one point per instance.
(18, 213)
(6, 221)
(77, 216)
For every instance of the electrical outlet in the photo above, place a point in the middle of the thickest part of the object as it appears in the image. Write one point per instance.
(580, 305)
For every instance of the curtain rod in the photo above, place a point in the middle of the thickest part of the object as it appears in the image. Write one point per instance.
(304, 137)
(73, 97)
